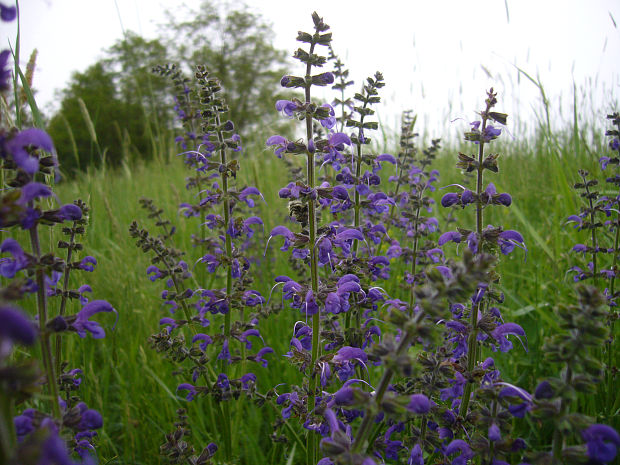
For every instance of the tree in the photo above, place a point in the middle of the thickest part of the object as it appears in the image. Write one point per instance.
(117, 128)
(236, 47)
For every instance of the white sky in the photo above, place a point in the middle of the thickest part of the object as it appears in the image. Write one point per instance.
(431, 53)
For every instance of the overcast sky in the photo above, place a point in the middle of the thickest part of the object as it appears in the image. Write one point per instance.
(437, 57)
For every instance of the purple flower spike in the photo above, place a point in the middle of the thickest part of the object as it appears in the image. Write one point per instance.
(419, 404)
(82, 323)
(603, 442)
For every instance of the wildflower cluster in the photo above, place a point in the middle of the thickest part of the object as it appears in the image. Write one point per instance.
(56, 427)
(223, 242)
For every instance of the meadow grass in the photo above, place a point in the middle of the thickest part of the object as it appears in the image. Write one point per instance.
(133, 387)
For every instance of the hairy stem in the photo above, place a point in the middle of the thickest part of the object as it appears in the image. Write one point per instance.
(63, 299)
(46, 349)
(472, 341)
(312, 440)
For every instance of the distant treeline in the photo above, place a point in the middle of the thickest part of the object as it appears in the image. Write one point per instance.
(118, 109)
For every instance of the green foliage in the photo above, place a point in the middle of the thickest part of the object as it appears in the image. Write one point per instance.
(113, 120)
(236, 46)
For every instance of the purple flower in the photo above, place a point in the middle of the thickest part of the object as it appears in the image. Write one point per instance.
(544, 390)
(323, 79)
(243, 196)
(15, 327)
(82, 324)
(419, 404)
(387, 157)
(9, 267)
(467, 197)
(494, 432)
(604, 161)
(247, 379)
(508, 239)
(458, 445)
(91, 419)
(328, 122)
(416, 457)
(501, 331)
(7, 13)
(258, 358)
(280, 143)
(5, 71)
(490, 133)
(54, 450)
(88, 263)
(286, 233)
(453, 236)
(449, 199)
(205, 338)
(504, 199)
(29, 137)
(344, 396)
(225, 352)
(33, 190)
(69, 212)
(287, 107)
(191, 390)
(603, 442)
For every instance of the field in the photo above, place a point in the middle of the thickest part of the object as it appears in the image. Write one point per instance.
(388, 342)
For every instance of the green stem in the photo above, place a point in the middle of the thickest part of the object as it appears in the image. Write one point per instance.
(8, 437)
(312, 440)
(415, 252)
(229, 284)
(63, 299)
(46, 349)
(558, 438)
(472, 341)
